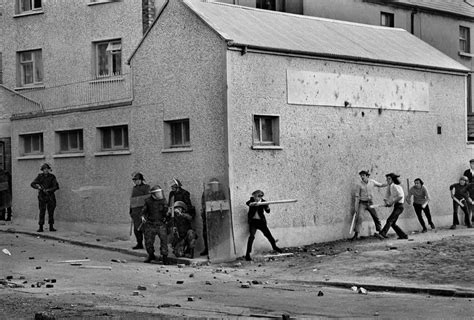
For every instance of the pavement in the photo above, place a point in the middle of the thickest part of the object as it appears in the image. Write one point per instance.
(367, 252)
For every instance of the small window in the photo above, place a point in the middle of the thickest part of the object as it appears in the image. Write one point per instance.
(31, 144)
(114, 138)
(108, 56)
(266, 4)
(464, 39)
(266, 130)
(30, 65)
(178, 134)
(70, 141)
(28, 5)
(387, 19)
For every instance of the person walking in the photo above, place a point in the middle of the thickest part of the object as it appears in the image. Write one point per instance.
(257, 221)
(140, 192)
(461, 198)
(154, 217)
(364, 200)
(395, 197)
(421, 198)
(46, 184)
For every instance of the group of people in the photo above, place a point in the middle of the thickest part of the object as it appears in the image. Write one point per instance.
(462, 194)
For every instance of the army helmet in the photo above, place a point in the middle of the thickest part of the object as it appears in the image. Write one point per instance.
(181, 204)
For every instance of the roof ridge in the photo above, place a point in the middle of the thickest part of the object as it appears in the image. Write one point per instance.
(301, 16)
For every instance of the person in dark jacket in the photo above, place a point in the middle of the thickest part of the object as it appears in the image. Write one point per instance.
(179, 194)
(184, 237)
(257, 221)
(461, 198)
(140, 192)
(469, 173)
(5, 195)
(155, 217)
(46, 184)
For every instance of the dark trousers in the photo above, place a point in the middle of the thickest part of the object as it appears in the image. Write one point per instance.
(418, 210)
(365, 205)
(7, 212)
(43, 206)
(204, 228)
(467, 213)
(392, 221)
(150, 233)
(137, 221)
(257, 224)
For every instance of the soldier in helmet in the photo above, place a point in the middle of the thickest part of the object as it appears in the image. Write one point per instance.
(184, 237)
(140, 192)
(154, 217)
(46, 184)
(179, 194)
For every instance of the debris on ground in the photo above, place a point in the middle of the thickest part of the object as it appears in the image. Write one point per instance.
(245, 285)
(73, 261)
(190, 298)
(362, 290)
(142, 288)
(119, 261)
(5, 251)
(44, 316)
(96, 267)
(320, 294)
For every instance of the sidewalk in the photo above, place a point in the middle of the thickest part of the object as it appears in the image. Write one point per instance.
(89, 235)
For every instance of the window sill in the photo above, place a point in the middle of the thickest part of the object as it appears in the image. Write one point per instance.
(256, 147)
(31, 87)
(170, 150)
(31, 157)
(28, 13)
(101, 2)
(69, 155)
(112, 153)
(466, 54)
(107, 79)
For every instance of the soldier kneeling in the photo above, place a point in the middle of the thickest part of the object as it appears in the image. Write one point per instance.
(184, 237)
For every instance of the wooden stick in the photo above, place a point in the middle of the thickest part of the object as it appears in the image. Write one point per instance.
(459, 202)
(377, 205)
(353, 223)
(264, 203)
(73, 261)
(96, 267)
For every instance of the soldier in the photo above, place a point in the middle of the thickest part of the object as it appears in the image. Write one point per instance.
(184, 237)
(140, 192)
(257, 221)
(5, 195)
(154, 218)
(179, 194)
(212, 193)
(46, 184)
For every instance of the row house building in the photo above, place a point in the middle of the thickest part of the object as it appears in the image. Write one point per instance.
(255, 93)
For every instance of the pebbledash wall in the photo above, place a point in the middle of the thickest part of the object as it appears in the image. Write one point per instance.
(323, 147)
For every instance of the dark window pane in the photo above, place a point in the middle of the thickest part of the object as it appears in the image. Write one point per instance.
(117, 134)
(63, 142)
(106, 138)
(125, 137)
(257, 128)
(81, 142)
(186, 132)
(37, 3)
(267, 131)
(176, 133)
(27, 144)
(36, 142)
(73, 140)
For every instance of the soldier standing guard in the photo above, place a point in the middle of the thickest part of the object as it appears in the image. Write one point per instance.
(46, 184)
(140, 192)
(154, 218)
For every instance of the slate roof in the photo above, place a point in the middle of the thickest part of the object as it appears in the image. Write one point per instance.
(282, 32)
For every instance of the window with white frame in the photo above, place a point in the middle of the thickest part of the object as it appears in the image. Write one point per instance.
(387, 19)
(24, 6)
(114, 138)
(266, 130)
(31, 144)
(464, 39)
(30, 67)
(70, 141)
(108, 57)
(178, 133)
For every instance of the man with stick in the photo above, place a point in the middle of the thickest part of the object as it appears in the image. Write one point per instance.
(363, 201)
(395, 197)
(257, 221)
(461, 198)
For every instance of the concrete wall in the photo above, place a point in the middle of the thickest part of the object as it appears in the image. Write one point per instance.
(65, 31)
(324, 147)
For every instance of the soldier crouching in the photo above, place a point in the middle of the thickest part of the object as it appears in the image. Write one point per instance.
(184, 237)
(154, 218)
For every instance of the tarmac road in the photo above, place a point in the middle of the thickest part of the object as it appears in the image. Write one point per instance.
(304, 285)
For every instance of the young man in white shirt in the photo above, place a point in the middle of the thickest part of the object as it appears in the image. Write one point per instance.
(395, 197)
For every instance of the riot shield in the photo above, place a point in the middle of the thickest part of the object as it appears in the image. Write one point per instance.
(217, 219)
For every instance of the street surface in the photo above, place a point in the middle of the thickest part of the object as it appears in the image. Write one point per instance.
(107, 286)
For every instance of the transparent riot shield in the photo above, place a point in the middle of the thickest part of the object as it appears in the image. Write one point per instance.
(217, 219)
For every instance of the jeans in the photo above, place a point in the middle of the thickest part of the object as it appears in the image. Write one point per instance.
(392, 222)
(257, 224)
(467, 213)
(418, 210)
(365, 205)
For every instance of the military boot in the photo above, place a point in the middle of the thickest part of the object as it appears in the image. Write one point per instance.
(51, 228)
(150, 258)
(40, 229)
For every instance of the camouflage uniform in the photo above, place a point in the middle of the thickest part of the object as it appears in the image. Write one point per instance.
(184, 237)
(155, 213)
(46, 184)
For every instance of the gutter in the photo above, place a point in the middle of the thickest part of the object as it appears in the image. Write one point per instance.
(244, 48)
